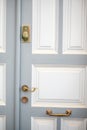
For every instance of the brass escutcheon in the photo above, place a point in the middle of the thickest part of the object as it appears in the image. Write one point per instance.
(25, 34)
(24, 99)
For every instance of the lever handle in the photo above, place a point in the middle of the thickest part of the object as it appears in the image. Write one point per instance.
(25, 88)
(66, 114)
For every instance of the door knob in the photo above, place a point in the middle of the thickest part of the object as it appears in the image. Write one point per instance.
(25, 88)
(24, 99)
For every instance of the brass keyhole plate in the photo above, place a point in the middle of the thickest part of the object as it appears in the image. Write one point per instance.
(25, 34)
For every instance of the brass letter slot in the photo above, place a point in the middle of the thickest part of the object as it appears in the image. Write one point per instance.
(25, 34)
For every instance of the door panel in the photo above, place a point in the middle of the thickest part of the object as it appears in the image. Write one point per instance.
(59, 79)
(7, 58)
(45, 26)
(48, 79)
(43, 123)
(73, 124)
(3, 84)
(3, 25)
(2, 122)
(74, 27)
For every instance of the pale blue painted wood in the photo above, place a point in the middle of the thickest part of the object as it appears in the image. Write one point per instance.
(10, 54)
(9, 59)
(17, 75)
(26, 60)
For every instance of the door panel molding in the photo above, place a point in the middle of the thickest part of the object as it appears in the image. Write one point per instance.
(41, 123)
(2, 122)
(74, 27)
(2, 26)
(45, 26)
(2, 84)
(73, 124)
(47, 79)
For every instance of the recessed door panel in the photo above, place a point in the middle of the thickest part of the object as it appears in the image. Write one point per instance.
(63, 86)
(2, 84)
(44, 123)
(45, 26)
(74, 27)
(2, 122)
(73, 124)
(2, 25)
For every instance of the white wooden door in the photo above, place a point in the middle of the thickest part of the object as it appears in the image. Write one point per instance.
(7, 58)
(55, 63)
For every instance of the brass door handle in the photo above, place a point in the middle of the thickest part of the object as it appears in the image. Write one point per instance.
(25, 88)
(66, 114)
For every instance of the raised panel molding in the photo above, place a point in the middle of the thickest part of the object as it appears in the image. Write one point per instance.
(45, 26)
(2, 84)
(2, 26)
(2, 122)
(75, 26)
(73, 124)
(43, 123)
(59, 86)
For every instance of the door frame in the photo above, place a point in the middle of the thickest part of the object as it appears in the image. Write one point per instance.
(17, 64)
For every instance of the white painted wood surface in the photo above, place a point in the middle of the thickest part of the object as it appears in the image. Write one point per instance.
(75, 26)
(38, 123)
(2, 123)
(73, 124)
(45, 26)
(2, 84)
(2, 25)
(59, 86)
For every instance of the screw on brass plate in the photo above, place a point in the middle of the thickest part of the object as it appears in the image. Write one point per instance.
(25, 34)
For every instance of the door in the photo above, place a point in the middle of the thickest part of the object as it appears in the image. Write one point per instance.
(54, 65)
(7, 58)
